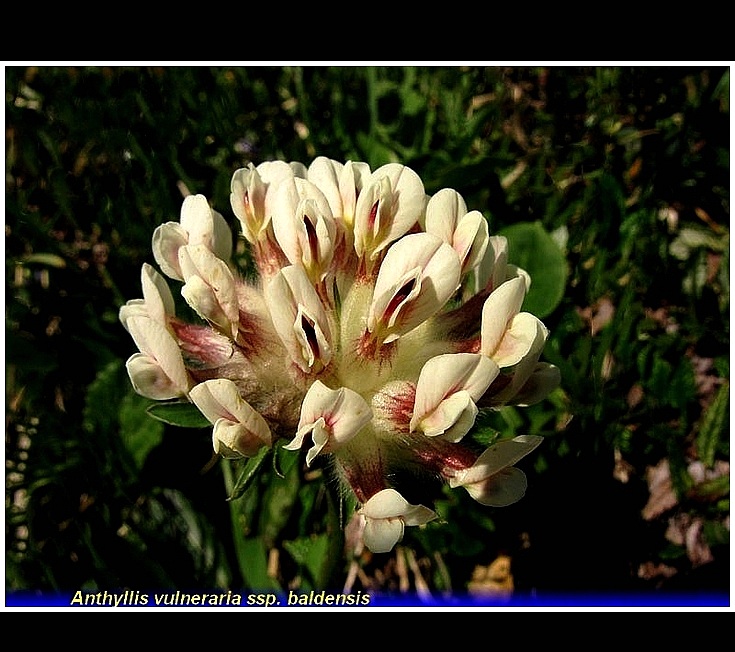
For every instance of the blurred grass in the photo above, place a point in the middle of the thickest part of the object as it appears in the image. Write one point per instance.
(625, 169)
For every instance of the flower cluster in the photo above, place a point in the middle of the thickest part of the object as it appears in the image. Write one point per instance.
(382, 321)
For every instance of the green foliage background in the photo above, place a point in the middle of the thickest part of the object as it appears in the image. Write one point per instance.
(612, 185)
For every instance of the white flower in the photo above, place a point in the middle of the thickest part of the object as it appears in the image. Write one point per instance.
(382, 321)
(467, 232)
(158, 371)
(386, 515)
(199, 225)
(508, 334)
(157, 302)
(210, 288)
(332, 417)
(390, 203)
(305, 227)
(239, 430)
(251, 196)
(446, 392)
(493, 480)
(417, 277)
(299, 319)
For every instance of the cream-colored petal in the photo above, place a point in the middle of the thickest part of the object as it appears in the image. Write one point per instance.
(232, 439)
(443, 212)
(150, 380)
(247, 198)
(344, 410)
(470, 239)
(154, 340)
(392, 201)
(500, 307)
(352, 179)
(491, 270)
(196, 219)
(418, 276)
(210, 288)
(518, 339)
(504, 488)
(324, 173)
(382, 535)
(497, 457)
(156, 294)
(132, 308)
(448, 373)
(544, 379)
(299, 318)
(387, 503)
(452, 418)
(238, 426)
(168, 238)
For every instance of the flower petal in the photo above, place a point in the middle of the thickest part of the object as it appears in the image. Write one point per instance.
(386, 514)
(500, 307)
(239, 429)
(304, 226)
(206, 226)
(443, 212)
(168, 238)
(210, 288)
(299, 318)
(453, 418)
(497, 457)
(504, 488)
(544, 379)
(382, 534)
(465, 376)
(157, 343)
(417, 277)
(332, 416)
(251, 196)
(391, 202)
(387, 503)
(518, 339)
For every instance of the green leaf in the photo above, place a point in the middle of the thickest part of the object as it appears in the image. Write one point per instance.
(139, 433)
(713, 425)
(184, 415)
(532, 248)
(284, 460)
(253, 558)
(249, 473)
(311, 553)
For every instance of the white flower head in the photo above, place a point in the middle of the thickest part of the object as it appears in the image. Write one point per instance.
(381, 322)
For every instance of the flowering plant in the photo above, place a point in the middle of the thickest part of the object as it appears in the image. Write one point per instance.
(381, 322)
